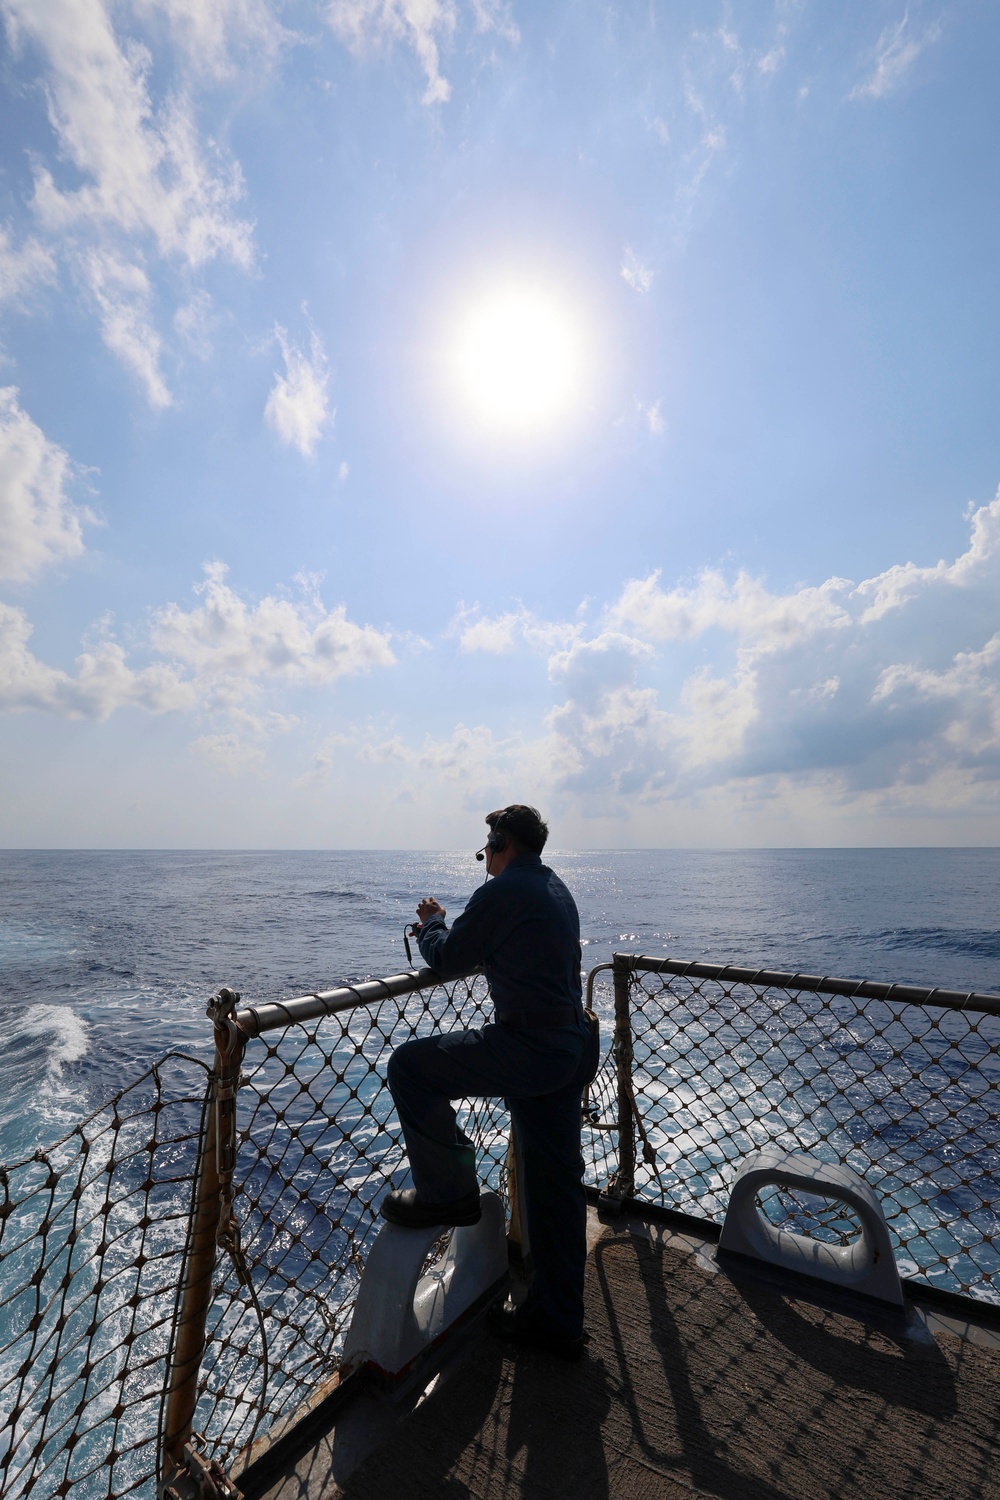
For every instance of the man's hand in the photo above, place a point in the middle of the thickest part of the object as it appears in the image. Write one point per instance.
(428, 907)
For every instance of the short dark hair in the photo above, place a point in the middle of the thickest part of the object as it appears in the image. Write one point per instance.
(524, 826)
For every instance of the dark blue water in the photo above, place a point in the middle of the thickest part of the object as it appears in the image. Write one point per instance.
(107, 958)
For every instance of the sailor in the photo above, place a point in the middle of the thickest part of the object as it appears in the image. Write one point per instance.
(522, 925)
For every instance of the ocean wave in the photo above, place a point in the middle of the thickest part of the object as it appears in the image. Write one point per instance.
(982, 943)
(41, 1041)
(337, 895)
(64, 1035)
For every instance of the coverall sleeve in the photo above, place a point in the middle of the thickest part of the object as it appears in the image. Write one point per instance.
(470, 939)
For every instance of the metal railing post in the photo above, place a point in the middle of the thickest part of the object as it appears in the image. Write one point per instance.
(622, 1184)
(183, 1468)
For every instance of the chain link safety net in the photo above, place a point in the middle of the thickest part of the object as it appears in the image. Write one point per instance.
(92, 1235)
(907, 1094)
(318, 1147)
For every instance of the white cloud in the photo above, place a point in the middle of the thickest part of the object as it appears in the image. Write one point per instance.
(240, 749)
(745, 608)
(886, 683)
(24, 268)
(144, 171)
(40, 523)
(140, 182)
(652, 417)
(297, 406)
(193, 324)
(495, 15)
(103, 681)
(228, 644)
(426, 26)
(230, 753)
(499, 634)
(220, 36)
(421, 24)
(123, 295)
(861, 693)
(638, 276)
(771, 60)
(216, 658)
(896, 51)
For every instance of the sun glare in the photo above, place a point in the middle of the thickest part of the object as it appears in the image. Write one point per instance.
(517, 360)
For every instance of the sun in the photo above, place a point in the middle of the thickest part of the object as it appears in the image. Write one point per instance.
(517, 360)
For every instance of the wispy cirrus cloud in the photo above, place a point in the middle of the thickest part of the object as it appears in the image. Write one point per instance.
(638, 276)
(895, 53)
(128, 181)
(23, 267)
(220, 37)
(425, 26)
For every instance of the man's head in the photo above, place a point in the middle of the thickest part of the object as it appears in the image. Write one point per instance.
(521, 828)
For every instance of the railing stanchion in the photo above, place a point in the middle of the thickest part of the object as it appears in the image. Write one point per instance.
(185, 1470)
(622, 1184)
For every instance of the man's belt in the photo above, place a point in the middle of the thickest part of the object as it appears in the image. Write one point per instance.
(552, 1015)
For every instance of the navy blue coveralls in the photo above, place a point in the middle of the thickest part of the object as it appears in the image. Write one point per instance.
(523, 927)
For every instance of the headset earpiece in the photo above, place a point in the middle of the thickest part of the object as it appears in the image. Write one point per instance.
(495, 844)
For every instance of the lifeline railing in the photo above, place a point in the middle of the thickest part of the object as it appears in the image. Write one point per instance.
(186, 1261)
(900, 1082)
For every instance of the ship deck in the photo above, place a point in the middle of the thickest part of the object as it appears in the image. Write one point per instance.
(700, 1378)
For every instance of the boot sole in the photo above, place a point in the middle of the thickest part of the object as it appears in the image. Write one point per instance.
(432, 1221)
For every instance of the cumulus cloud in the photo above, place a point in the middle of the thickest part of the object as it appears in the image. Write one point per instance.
(102, 682)
(227, 643)
(40, 522)
(141, 182)
(216, 657)
(240, 749)
(744, 607)
(499, 634)
(874, 694)
(887, 682)
(896, 51)
(297, 406)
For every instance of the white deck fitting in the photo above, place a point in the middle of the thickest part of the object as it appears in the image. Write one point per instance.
(866, 1265)
(400, 1309)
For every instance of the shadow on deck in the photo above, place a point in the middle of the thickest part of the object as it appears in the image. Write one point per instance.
(697, 1381)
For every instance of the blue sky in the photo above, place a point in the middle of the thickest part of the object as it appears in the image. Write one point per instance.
(409, 406)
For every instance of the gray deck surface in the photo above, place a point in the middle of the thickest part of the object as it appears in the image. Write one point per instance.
(696, 1381)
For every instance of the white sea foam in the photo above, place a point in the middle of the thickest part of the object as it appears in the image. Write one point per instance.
(41, 1042)
(67, 1034)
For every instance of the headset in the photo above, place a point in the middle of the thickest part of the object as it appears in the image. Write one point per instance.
(496, 843)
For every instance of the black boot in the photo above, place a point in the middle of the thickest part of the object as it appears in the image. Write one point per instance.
(405, 1208)
(524, 1328)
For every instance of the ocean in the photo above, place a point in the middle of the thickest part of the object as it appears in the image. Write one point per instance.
(107, 958)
